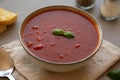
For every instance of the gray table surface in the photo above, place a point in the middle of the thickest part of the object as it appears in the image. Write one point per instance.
(111, 29)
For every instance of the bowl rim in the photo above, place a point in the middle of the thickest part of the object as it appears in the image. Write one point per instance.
(62, 7)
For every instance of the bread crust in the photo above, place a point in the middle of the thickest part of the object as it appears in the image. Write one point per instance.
(2, 28)
(7, 17)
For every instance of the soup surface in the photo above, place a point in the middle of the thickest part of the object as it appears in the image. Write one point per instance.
(37, 36)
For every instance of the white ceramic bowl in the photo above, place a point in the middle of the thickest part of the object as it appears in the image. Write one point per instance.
(56, 66)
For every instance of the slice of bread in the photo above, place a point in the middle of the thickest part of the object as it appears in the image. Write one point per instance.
(2, 28)
(7, 17)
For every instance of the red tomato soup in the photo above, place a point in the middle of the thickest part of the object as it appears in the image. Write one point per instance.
(37, 36)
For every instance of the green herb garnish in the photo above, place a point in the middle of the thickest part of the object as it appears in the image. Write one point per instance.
(114, 74)
(69, 34)
(60, 32)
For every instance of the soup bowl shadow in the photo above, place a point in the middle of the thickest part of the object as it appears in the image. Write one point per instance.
(54, 66)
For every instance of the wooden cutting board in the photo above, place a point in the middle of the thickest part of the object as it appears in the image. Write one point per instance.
(107, 56)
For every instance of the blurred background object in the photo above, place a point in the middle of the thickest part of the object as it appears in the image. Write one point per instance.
(85, 4)
(110, 10)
